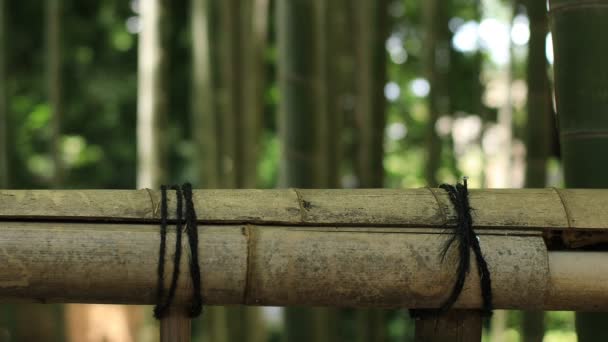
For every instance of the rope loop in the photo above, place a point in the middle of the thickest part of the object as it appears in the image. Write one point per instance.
(162, 304)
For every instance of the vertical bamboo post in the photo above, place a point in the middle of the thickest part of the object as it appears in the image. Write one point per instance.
(456, 326)
(175, 327)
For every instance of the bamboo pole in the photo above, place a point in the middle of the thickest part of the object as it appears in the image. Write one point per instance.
(456, 325)
(354, 248)
(579, 212)
(176, 326)
(288, 265)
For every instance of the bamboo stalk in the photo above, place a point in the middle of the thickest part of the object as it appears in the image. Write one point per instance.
(457, 325)
(282, 265)
(53, 59)
(549, 210)
(4, 169)
(176, 326)
(372, 25)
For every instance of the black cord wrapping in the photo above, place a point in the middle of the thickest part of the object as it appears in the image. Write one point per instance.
(195, 272)
(466, 238)
(162, 305)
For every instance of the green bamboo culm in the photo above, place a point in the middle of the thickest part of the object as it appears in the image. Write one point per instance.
(297, 118)
(372, 24)
(581, 92)
(435, 39)
(538, 128)
(3, 112)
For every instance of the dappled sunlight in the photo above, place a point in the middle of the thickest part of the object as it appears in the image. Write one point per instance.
(549, 48)
(392, 91)
(103, 323)
(420, 87)
(560, 336)
(396, 50)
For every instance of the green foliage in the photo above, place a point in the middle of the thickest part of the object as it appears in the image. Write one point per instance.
(269, 159)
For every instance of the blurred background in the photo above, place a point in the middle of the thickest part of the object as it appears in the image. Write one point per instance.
(274, 93)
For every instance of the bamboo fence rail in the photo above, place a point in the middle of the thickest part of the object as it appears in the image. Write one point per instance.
(349, 248)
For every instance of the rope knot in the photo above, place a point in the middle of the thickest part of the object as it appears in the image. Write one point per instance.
(466, 240)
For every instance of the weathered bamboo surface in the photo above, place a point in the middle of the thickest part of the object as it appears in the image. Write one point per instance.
(350, 248)
(542, 209)
(290, 265)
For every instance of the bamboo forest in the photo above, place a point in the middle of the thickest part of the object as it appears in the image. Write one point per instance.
(303, 170)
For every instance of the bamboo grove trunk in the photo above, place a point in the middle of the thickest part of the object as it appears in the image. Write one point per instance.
(152, 95)
(242, 43)
(538, 131)
(254, 32)
(320, 77)
(230, 92)
(372, 23)
(337, 76)
(3, 105)
(53, 67)
(581, 83)
(204, 119)
(436, 58)
(297, 86)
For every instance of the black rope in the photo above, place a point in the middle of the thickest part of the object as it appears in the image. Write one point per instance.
(178, 242)
(195, 273)
(162, 305)
(467, 240)
(160, 280)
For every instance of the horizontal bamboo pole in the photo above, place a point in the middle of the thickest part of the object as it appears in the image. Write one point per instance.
(292, 265)
(542, 209)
